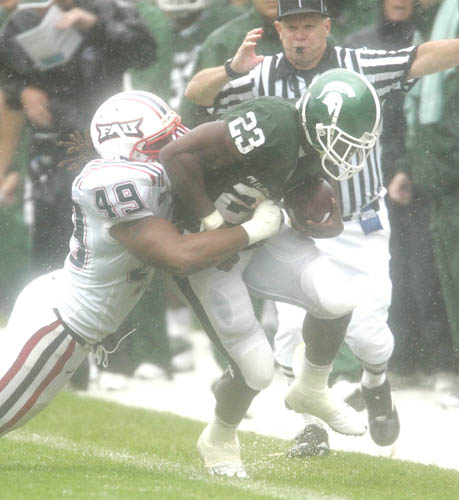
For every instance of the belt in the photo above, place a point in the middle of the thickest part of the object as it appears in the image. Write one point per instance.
(374, 205)
(74, 335)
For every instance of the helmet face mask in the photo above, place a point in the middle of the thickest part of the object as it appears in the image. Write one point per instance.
(343, 156)
(134, 125)
(340, 115)
(148, 149)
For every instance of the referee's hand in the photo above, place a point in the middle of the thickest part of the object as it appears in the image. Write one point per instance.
(8, 185)
(246, 59)
(401, 189)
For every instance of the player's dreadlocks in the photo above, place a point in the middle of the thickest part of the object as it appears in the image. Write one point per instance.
(79, 150)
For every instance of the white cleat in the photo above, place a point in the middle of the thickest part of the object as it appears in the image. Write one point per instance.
(222, 458)
(326, 406)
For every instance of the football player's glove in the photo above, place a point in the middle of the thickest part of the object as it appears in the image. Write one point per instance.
(264, 223)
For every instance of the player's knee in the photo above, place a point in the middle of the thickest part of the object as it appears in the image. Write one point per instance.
(257, 366)
(231, 318)
(373, 346)
(336, 305)
(333, 293)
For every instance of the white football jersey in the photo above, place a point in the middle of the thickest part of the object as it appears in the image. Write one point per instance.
(102, 280)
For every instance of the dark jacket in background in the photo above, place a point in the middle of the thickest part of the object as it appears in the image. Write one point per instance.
(118, 40)
(75, 88)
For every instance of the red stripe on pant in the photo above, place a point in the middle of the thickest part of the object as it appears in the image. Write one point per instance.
(24, 354)
(57, 368)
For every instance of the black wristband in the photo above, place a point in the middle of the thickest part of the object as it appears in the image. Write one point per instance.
(230, 72)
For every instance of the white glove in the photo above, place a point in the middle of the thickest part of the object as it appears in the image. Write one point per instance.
(212, 221)
(264, 223)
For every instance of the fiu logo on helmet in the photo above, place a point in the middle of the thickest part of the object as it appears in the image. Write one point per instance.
(332, 97)
(116, 130)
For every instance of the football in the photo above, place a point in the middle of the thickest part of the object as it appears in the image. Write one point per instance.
(311, 201)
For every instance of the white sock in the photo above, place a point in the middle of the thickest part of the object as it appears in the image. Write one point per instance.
(371, 380)
(315, 376)
(221, 431)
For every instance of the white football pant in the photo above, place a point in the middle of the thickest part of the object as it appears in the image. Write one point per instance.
(364, 259)
(37, 355)
(288, 267)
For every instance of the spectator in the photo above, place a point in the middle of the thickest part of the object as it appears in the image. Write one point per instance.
(428, 170)
(13, 235)
(180, 28)
(58, 88)
(350, 16)
(6, 7)
(85, 49)
(10, 126)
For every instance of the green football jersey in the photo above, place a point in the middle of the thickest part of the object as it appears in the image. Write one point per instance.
(266, 130)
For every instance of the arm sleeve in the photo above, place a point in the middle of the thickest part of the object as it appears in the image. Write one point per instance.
(17, 67)
(385, 69)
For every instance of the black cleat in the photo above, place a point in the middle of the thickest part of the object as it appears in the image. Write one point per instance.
(382, 415)
(312, 441)
(355, 399)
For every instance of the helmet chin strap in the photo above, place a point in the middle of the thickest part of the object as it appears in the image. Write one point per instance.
(345, 169)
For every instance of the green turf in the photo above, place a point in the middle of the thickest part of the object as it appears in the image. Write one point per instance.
(85, 449)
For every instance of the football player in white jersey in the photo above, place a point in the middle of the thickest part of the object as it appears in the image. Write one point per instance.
(123, 230)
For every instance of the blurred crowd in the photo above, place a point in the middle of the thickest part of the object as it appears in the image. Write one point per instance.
(50, 88)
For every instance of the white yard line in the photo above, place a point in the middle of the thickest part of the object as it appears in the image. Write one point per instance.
(428, 432)
(149, 463)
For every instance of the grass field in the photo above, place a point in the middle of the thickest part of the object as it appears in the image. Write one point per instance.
(85, 449)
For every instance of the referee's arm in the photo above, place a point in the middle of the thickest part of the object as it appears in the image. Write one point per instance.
(435, 56)
(207, 83)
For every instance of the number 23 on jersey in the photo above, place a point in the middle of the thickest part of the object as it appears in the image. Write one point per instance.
(247, 136)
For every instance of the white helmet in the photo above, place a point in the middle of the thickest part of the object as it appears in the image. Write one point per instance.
(182, 5)
(134, 125)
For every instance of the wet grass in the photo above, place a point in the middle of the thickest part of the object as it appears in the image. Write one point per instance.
(85, 449)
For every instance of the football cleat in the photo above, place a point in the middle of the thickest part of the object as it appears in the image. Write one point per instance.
(326, 406)
(382, 415)
(312, 441)
(222, 458)
(349, 392)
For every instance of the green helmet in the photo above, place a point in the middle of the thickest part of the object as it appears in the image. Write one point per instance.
(340, 114)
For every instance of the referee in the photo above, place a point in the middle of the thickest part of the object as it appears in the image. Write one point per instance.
(362, 250)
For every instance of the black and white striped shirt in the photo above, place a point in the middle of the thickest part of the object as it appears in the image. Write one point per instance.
(276, 76)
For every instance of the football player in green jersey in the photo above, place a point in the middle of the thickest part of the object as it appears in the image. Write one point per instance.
(220, 171)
